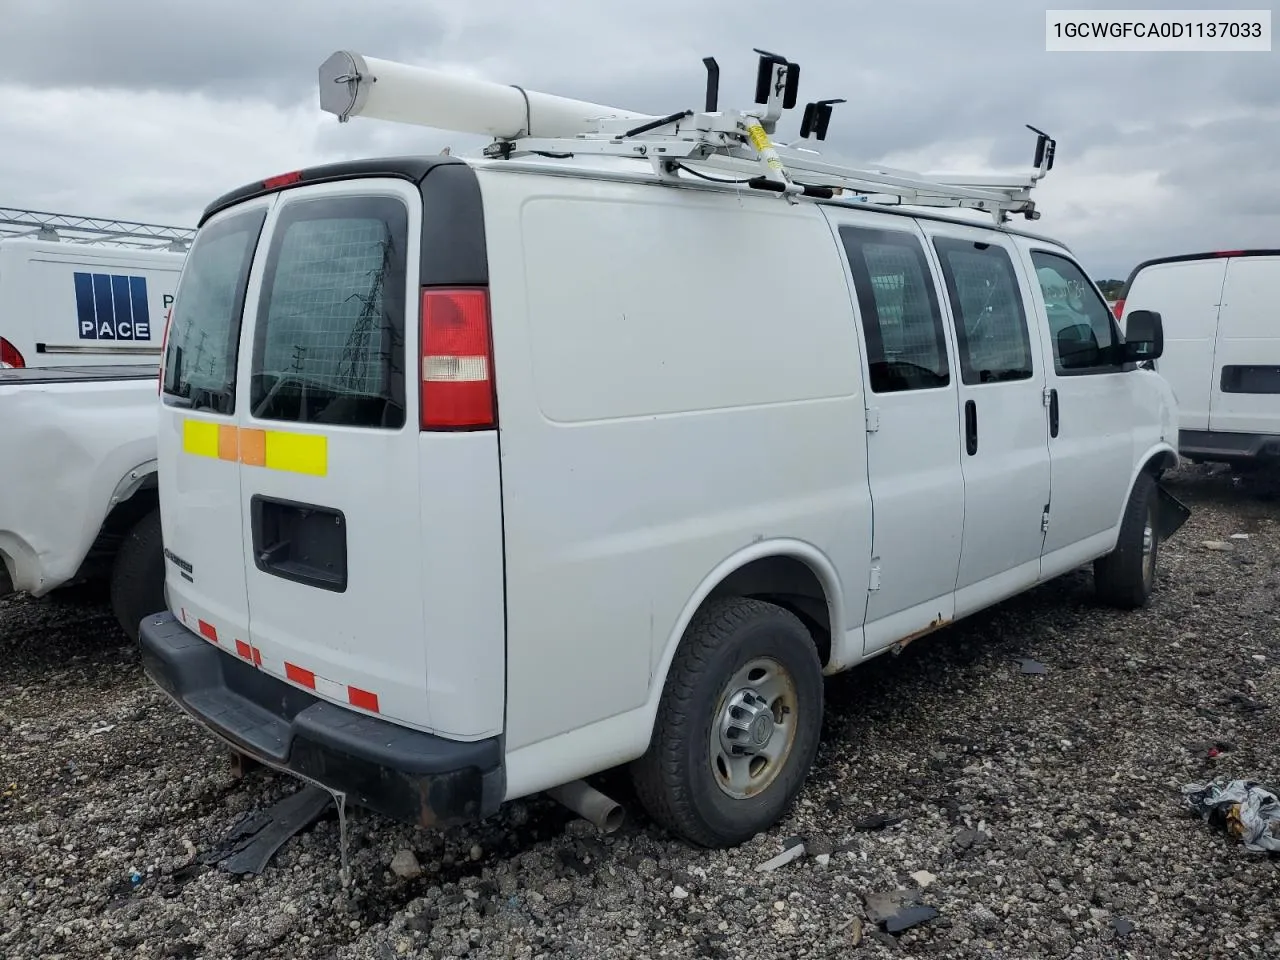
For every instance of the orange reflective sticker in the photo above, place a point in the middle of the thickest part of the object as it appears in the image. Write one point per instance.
(228, 447)
(253, 447)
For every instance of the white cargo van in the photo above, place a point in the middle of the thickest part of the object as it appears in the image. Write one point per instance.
(479, 476)
(1222, 352)
(71, 301)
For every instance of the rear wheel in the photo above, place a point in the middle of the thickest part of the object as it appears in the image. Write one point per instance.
(737, 726)
(1126, 577)
(137, 575)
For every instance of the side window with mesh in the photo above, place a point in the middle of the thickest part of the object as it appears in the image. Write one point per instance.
(990, 319)
(906, 346)
(329, 342)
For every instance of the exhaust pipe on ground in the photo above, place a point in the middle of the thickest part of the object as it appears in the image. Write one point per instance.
(590, 804)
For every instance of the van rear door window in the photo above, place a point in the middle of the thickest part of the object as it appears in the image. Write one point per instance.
(204, 330)
(329, 342)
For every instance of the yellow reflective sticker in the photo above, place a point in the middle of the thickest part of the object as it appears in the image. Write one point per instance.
(200, 437)
(298, 452)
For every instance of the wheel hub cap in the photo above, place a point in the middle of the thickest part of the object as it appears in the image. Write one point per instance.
(754, 728)
(746, 724)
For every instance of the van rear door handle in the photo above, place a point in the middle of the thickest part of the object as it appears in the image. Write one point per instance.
(971, 427)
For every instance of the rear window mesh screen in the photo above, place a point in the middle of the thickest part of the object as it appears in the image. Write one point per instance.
(330, 339)
(991, 322)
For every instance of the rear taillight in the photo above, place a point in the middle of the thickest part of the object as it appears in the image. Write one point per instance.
(457, 360)
(164, 344)
(10, 358)
(1119, 308)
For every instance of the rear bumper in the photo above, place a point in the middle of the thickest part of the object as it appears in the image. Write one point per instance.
(1221, 447)
(404, 774)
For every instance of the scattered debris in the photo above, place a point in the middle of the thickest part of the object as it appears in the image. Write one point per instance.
(1032, 666)
(679, 893)
(1217, 546)
(782, 859)
(251, 844)
(1245, 809)
(878, 821)
(104, 728)
(1239, 536)
(881, 906)
(1123, 927)
(822, 859)
(898, 910)
(924, 878)
(405, 865)
(910, 917)
(818, 846)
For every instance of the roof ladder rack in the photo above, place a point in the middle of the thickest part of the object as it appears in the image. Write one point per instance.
(735, 143)
(89, 230)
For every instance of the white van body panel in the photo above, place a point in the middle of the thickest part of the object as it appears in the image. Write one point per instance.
(1248, 336)
(639, 447)
(1188, 295)
(65, 304)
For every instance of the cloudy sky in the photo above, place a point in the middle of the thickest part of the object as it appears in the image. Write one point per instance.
(146, 109)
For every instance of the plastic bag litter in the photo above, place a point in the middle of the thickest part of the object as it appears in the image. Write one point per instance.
(1245, 809)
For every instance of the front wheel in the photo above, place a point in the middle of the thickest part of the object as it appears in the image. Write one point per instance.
(1126, 577)
(737, 727)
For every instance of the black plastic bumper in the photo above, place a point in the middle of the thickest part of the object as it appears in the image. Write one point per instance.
(1221, 447)
(404, 774)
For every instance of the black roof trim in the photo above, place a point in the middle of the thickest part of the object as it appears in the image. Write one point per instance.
(1187, 257)
(406, 168)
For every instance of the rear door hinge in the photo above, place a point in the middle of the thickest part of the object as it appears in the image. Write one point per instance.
(873, 419)
(874, 583)
(1044, 520)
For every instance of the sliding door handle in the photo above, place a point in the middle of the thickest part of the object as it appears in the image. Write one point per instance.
(971, 427)
(1053, 413)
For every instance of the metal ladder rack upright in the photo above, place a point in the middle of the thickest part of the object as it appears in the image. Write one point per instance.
(68, 228)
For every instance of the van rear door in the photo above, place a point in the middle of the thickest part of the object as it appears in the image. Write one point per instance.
(1246, 367)
(329, 448)
(199, 420)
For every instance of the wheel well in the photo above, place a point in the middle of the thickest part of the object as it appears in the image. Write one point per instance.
(789, 583)
(1158, 464)
(118, 523)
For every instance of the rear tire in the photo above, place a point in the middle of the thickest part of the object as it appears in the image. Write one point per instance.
(137, 575)
(1126, 577)
(737, 727)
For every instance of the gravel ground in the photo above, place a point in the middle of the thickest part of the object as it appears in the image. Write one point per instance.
(1046, 806)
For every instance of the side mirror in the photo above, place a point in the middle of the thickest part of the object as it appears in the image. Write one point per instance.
(1144, 336)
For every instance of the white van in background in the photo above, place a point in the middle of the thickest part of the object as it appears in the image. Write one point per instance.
(72, 295)
(1221, 314)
